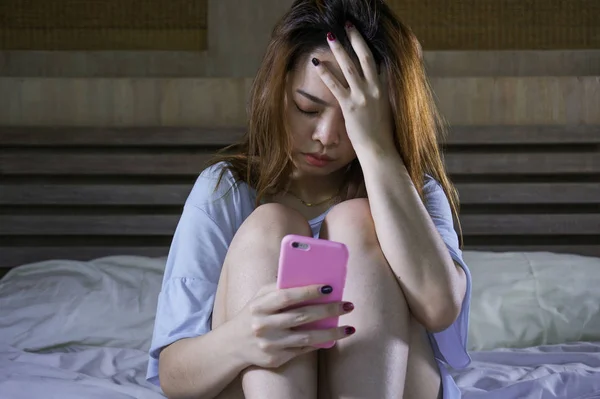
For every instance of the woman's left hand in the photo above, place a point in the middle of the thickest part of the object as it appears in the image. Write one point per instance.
(365, 103)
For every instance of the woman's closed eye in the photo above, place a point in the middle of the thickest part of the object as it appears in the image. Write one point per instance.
(308, 113)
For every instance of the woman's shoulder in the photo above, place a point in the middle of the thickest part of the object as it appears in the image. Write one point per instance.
(215, 185)
(436, 200)
(431, 186)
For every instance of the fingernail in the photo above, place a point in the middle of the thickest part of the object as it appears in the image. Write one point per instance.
(349, 25)
(327, 289)
(330, 36)
(349, 330)
(348, 306)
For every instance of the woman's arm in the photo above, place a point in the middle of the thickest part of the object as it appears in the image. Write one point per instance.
(188, 358)
(433, 284)
(203, 366)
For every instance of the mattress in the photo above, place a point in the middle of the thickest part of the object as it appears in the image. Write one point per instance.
(71, 329)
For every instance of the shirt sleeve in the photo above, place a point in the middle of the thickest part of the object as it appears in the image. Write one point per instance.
(450, 345)
(192, 272)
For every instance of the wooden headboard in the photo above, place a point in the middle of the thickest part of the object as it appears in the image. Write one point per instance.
(82, 193)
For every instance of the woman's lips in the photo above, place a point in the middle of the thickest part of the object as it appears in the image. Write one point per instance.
(317, 160)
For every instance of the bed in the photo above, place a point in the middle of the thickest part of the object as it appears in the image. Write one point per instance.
(86, 216)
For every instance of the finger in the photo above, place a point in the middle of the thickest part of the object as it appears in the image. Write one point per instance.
(337, 89)
(267, 288)
(303, 349)
(349, 69)
(278, 300)
(365, 56)
(315, 337)
(308, 314)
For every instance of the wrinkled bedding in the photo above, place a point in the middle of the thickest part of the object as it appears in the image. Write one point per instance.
(569, 371)
(75, 373)
(81, 330)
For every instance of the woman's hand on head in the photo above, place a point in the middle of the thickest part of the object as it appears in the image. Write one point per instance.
(365, 103)
(266, 325)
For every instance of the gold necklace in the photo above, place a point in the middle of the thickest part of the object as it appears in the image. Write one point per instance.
(311, 204)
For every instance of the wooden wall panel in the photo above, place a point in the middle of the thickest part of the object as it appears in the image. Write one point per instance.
(519, 101)
(195, 64)
(513, 63)
(80, 194)
(237, 36)
(123, 102)
(239, 31)
(222, 102)
(103, 25)
(502, 24)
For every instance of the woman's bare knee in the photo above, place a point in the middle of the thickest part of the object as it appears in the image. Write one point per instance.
(351, 220)
(251, 263)
(274, 220)
(262, 232)
(371, 284)
(260, 236)
(382, 317)
(352, 224)
(252, 259)
(381, 314)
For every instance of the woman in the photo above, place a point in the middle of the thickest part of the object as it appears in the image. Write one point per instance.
(340, 111)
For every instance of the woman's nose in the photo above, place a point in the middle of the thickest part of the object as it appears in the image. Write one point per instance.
(329, 132)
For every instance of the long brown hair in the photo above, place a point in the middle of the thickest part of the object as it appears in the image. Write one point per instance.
(263, 158)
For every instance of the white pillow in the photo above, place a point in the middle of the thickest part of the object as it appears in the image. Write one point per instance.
(109, 302)
(522, 299)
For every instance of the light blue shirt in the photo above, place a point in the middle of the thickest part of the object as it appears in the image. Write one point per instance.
(208, 223)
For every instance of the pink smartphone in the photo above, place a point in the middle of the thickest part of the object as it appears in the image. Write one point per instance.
(307, 261)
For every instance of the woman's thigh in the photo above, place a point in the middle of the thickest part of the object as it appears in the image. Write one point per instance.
(422, 376)
(268, 223)
(219, 317)
(423, 380)
(372, 284)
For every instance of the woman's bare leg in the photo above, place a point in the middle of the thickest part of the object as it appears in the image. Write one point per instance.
(422, 374)
(373, 363)
(219, 316)
(251, 263)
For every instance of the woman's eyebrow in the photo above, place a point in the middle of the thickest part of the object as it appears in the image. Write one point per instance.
(312, 98)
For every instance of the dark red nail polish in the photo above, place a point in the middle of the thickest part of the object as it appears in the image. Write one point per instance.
(348, 306)
(330, 36)
(350, 330)
(315, 62)
(327, 289)
(349, 25)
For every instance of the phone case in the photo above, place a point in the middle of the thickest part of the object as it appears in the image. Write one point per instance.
(314, 261)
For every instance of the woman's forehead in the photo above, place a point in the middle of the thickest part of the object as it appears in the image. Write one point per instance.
(305, 74)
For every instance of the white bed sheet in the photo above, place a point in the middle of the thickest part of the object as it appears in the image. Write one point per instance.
(81, 329)
(75, 373)
(564, 371)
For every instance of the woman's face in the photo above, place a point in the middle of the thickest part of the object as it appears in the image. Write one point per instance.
(320, 143)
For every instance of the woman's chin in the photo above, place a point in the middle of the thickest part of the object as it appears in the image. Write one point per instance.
(312, 171)
(303, 167)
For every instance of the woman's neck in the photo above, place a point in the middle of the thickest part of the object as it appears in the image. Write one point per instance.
(315, 189)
